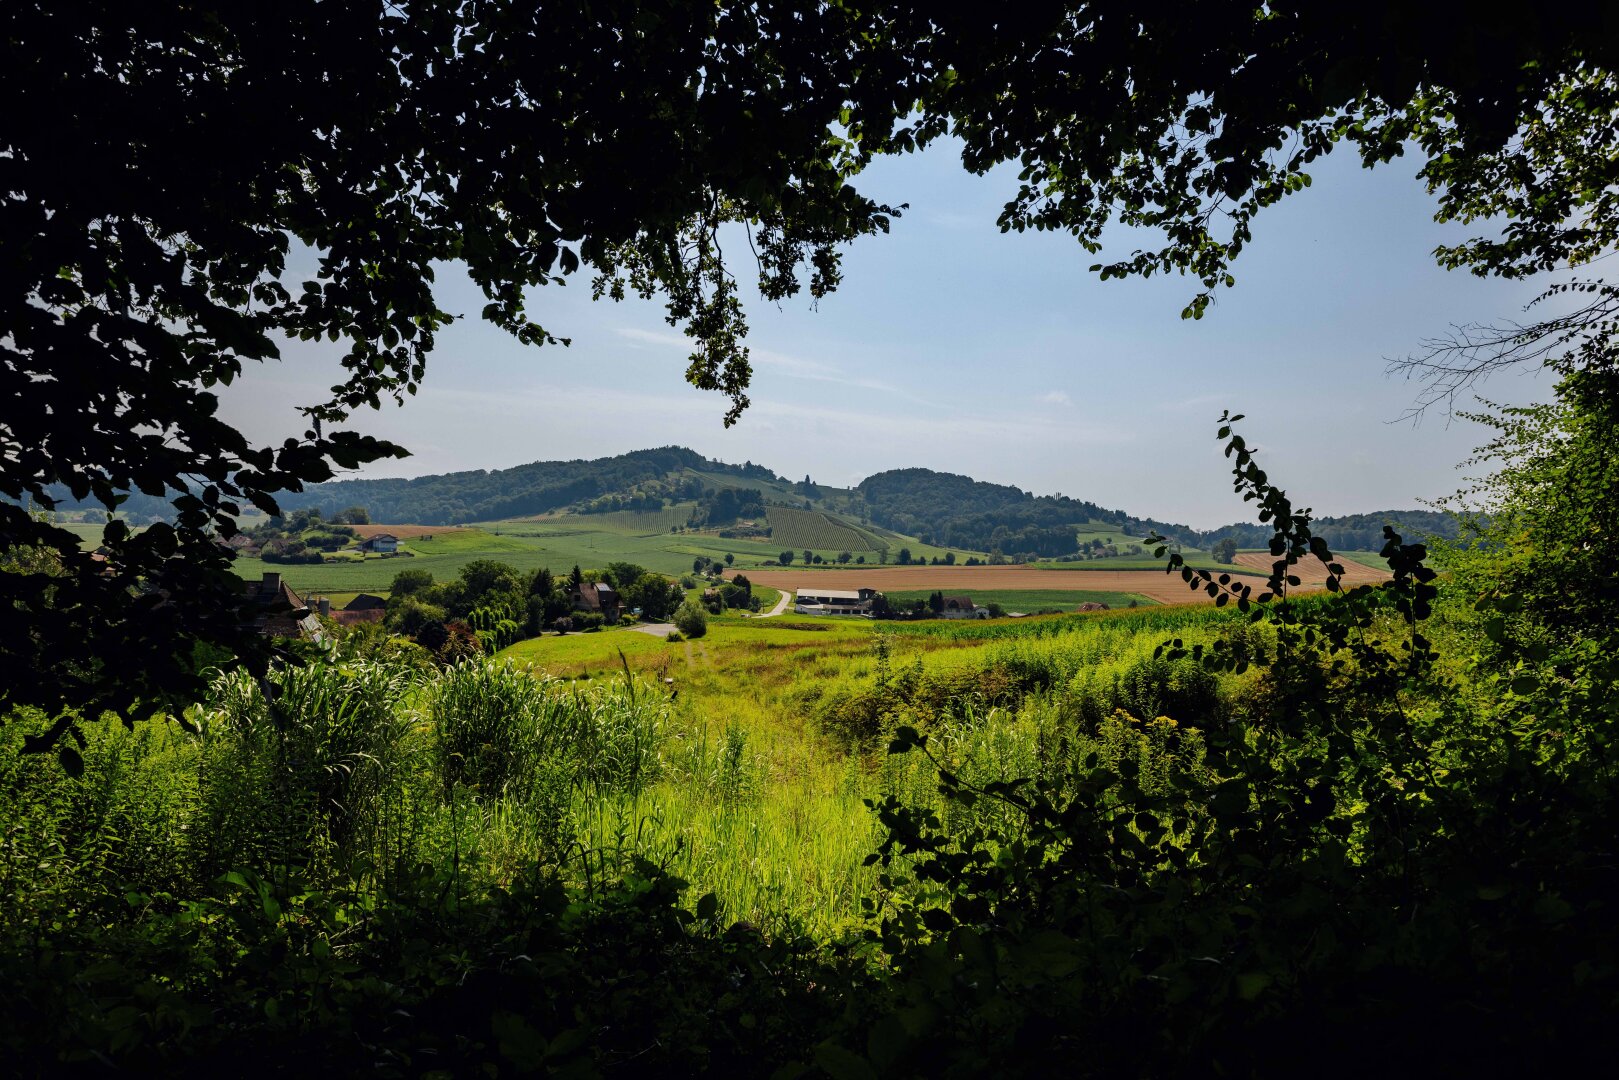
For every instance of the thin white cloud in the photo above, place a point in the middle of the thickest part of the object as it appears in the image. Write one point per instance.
(1200, 403)
(983, 428)
(653, 337)
(948, 220)
(1056, 397)
(794, 367)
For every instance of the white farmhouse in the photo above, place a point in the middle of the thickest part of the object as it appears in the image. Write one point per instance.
(962, 607)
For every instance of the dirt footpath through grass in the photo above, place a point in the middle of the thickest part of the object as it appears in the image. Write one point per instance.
(1154, 584)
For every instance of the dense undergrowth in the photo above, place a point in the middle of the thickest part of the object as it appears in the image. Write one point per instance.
(377, 866)
(1358, 831)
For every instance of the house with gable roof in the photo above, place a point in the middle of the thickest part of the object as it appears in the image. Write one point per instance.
(962, 607)
(597, 597)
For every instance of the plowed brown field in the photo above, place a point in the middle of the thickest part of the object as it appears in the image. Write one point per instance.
(1313, 571)
(1153, 584)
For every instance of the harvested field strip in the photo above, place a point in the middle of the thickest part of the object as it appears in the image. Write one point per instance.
(1314, 572)
(1152, 584)
(1366, 558)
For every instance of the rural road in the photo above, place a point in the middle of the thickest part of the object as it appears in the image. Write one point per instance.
(664, 629)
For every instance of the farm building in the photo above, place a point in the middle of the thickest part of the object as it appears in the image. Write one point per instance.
(364, 608)
(596, 597)
(962, 607)
(834, 601)
(240, 544)
(381, 544)
(277, 611)
(1092, 605)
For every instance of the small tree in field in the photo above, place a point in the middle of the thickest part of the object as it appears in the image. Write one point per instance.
(691, 620)
(787, 558)
(1225, 551)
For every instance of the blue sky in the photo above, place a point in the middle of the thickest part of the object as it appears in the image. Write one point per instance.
(954, 347)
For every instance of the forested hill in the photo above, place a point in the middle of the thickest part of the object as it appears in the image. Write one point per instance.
(488, 495)
(946, 509)
(951, 510)
(1350, 532)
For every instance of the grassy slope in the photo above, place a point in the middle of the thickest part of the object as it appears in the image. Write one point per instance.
(442, 556)
(1365, 558)
(812, 529)
(795, 847)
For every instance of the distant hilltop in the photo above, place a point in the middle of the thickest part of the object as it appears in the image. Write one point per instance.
(947, 510)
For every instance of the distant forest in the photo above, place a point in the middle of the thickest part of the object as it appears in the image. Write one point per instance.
(950, 510)
(484, 495)
(944, 509)
(1351, 532)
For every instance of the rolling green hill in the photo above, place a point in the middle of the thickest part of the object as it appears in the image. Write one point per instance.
(674, 503)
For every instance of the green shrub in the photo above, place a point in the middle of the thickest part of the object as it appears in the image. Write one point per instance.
(300, 776)
(691, 620)
(487, 725)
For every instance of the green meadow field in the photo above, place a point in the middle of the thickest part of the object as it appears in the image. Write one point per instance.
(777, 694)
(589, 541)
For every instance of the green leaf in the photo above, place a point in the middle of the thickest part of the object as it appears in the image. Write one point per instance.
(887, 1041)
(519, 1042)
(1250, 984)
(841, 1064)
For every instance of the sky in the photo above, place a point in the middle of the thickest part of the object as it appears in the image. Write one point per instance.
(953, 347)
